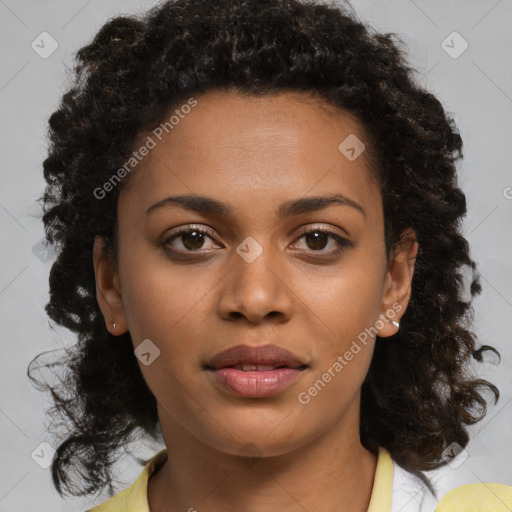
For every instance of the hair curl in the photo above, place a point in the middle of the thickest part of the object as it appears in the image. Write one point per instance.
(417, 397)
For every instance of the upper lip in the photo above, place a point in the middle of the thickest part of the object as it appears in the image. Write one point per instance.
(262, 354)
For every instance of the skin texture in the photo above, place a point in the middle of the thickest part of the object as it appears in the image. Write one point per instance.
(255, 153)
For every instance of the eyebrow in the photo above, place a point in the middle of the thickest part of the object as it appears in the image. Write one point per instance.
(209, 205)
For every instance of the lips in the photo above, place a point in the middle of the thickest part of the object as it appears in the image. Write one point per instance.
(255, 372)
(261, 358)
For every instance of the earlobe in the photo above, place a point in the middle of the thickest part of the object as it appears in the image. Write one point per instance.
(397, 288)
(108, 289)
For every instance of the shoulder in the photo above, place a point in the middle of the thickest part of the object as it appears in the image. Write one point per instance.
(482, 497)
(135, 497)
(411, 493)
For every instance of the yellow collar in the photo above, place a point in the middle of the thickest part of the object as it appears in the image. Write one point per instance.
(135, 498)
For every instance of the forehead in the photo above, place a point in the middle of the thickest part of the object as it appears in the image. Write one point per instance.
(269, 128)
(232, 145)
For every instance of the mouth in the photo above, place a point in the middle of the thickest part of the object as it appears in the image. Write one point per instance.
(252, 367)
(255, 372)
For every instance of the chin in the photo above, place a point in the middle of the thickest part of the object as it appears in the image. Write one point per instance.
(268, 436)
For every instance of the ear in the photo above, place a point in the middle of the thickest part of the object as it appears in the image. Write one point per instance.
(397, 286)
(108, 289)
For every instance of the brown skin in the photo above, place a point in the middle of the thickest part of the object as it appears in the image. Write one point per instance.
(255, 153)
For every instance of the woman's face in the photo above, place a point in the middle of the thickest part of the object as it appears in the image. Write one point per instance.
(254, 277)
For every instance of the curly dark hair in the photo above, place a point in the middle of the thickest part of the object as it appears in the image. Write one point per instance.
(418, 396)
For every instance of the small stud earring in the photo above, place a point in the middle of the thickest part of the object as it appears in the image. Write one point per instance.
(395, 323)
(113, 325)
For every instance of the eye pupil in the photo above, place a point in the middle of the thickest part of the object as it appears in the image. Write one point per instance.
(197, 237)
(318, 238)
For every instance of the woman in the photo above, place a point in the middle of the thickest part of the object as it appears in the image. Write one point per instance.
(258, 222)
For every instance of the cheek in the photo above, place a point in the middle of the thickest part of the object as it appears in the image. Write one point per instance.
(344, 355)
(160, 298)
(358, 307)
(346, 309)
(345, 301)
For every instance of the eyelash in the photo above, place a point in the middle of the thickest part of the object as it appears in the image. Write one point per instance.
(342, 242)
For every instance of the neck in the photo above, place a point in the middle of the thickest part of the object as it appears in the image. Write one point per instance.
(333, 473)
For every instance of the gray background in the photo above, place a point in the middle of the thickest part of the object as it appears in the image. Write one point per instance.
(476, 87)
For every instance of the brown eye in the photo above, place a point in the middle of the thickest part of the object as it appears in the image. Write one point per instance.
(191, 239)
(317, 240)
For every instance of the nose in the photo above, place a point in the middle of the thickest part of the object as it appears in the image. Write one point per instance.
(257, 290)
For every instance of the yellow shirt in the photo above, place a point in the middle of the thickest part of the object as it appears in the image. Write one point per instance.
(468, 498)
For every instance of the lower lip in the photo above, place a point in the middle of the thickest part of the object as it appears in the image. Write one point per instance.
(256, 384)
